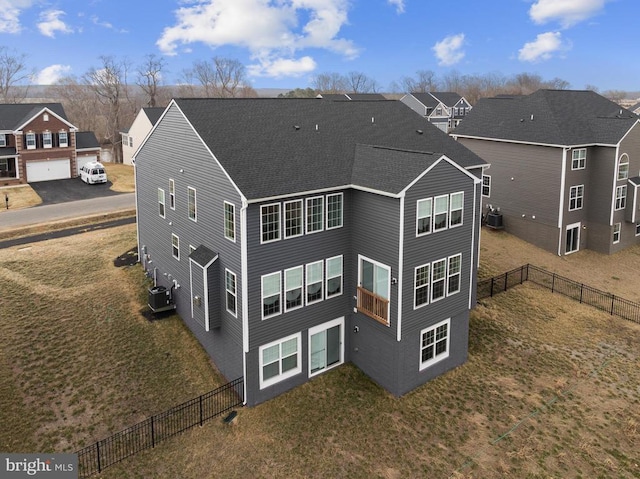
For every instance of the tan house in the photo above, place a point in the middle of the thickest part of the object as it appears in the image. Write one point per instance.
(137, 132)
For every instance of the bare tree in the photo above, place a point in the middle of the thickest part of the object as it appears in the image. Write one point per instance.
(358, 82)
(330, 83)
(13, 72)
(558, 84)
(80, 104)
(615, 95)
(220, 78)
(150, 77)
(424, 82)
(593, 88)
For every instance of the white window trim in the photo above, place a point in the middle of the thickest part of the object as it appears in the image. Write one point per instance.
(49, 136)
(195, 204)
(617, 230)
(488, 186)
(449, 275)
(282, 376)
(576, 188)
(622, 199)
(3, 140)
(326, 284)
(262, 207)
(452, 210)
(442, 356)
(262, 295)
(162, 202)
(306, 215)
(418, 217)
(623, 160)
(578, 228)
(637, 228)
(172, 194)
(382, 265)
(444, 280)
(175, 246)
(30, 135)
(580, 160)
(341, 211)
(301, 203)
(306, 282)
(324, 327)
(446, 212)
(415, 286)
(233, 293)
(61, 134)
(233, 221)
(302, 291)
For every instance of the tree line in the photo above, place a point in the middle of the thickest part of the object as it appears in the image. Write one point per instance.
(106, 98)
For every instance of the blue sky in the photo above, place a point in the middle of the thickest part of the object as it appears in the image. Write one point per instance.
(284, 43)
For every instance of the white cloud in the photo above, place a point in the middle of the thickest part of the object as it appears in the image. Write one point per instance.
(449, 50)
(282, 67)
(10, 11)
(51, 74)
(399, 5)
(50, 23)
(542, 48)
(273, 32)
(567, 12)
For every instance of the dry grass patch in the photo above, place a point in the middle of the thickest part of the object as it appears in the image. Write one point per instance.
(19, 197)
(121, 176)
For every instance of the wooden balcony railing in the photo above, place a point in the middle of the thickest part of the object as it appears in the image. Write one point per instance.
(374, 306)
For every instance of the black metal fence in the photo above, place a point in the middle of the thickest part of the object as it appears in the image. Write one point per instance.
(155, 429)
(602, 300)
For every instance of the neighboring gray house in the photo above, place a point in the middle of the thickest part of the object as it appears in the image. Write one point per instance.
(444, 109)
(139, 129)
(564, 171)
(635, 108)
(352, 96)
(297, 235)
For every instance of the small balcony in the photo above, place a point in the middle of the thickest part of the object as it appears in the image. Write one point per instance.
(374, 306)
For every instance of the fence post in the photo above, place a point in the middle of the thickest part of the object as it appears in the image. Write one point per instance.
(506, 280)
(527, 275)
(553, 282)
(200, 410)
(581, 289)
(153, 439)
(613, 298)
(98, 455)
(491, 292)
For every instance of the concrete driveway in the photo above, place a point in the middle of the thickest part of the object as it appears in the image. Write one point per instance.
(73, 189)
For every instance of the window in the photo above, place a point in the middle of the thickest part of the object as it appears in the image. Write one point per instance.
(175, 246)
(434, 344)
(440, 212)
(616, 233)
(293, 288)
(421, 293)
(230, 286)
(621, 197)
(193, 207)
(280, 360)
(438, 277)
(130, 142)
(229, 221)
(46, 140)
(334, 276)
(315, 215)
(576, 193)
(423, 220)
(63, 139)
(270, 295)
(31, 141)
(314, 282)
(3, 140)
(572, 238)
(125, 140)
(623, 167)
(486, 185)
(270, 220)
(578, 159)
(334, 211)
(638, 228)
(161, 202)
(172, 194)
(374, 281)
(453, 274)
(439, 111)
(456, 205)
(292, 218)
(325, 346)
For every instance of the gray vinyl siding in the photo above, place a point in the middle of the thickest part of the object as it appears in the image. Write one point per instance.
(414, 104)
(197, 289)
(631, 146)
(174, 151)
(601, 166)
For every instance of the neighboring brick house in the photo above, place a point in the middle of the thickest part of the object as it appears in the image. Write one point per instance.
(139, 129)
(296, 235)
(38, 143)
(444, 109)
(564, 171)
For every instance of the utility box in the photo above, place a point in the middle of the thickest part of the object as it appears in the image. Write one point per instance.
(160, 299)
(494, 221)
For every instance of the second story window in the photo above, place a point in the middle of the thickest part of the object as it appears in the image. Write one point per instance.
(270, 222)
(175, 246)
(455, 209)
(46, 140)
(293, 218)
(193, 207)
(423, 219)
(421, 292)
(229, 221)
(270, 295)
(576, 193)
(315, 214)
(438, 276)
(441, 210)
(161, 204)
(3, 140)
(621, 197)
(623, 167)
(230, 287)
(172, 194)
(486, 185)
(578, 159)
(334, 276)
(293, 288)
(374, 281)
(314, 282)
(334, 211)
(63, 139)
(31, 141)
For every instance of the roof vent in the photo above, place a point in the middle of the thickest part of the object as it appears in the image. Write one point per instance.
(373, 120)
(532, 117)
(621, 112)
(419, 132)
(296, 127)
(316, 127)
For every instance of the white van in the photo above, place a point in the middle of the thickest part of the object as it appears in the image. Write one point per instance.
(93, 172)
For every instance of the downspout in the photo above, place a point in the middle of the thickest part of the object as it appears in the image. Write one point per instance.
(475, 247)
(400, 268)
(245, 289)
(563, 177)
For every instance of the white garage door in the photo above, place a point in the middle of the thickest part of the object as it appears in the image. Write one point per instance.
(83, 160)
(48, 170)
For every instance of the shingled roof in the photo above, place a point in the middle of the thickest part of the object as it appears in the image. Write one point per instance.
(153, 113)
(551, 117)
(272, 147)
(448, 98)
(13, 115)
